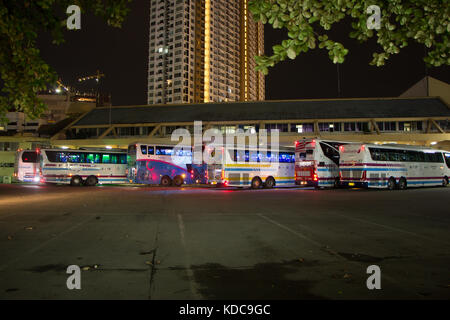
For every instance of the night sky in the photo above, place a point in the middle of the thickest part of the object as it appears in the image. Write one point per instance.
(122, 55)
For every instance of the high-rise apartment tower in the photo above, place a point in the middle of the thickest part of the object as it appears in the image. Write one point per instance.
(203, 51)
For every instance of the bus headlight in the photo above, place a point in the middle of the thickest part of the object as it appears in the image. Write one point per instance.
(37, 179)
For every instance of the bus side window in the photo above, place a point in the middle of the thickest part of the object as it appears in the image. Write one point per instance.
(330, 153)
(76, 157)
(61, 157)
(239, 155)
(123, 159)
(90, 158)
(97, 158)
(447, 159)
(114, 158)
(438, 157)
(253, 156)
(106, 158)
(151, 150)
(164, 151)
(144, 149)
(374, 154)
(403, 156)
(392, 155)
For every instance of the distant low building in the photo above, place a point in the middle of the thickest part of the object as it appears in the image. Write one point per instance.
(59, 107)
(421, 121)
(429, 87)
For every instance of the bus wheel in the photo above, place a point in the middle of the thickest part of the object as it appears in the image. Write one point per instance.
(391, 183)
(256, 183)
(445, 182)
(270, 183)
(166, 181)
(178, 181)
(91, 181)
(402, 184)
(76, 181)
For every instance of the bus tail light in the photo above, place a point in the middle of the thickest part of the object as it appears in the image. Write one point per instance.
(222, 175)
(361, 149)
(364, 175)
(341, 148)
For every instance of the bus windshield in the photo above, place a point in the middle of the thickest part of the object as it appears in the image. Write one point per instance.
(30, 157)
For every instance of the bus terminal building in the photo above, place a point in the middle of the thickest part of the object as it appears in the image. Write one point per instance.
(419, 121)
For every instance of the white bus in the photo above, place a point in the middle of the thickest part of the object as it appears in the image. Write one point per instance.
(317, 162)
(252, 167)
(150, 163)
(26, 166)
(82, 167)
(393, 166)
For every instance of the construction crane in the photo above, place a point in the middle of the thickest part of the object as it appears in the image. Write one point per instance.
(96, 76)
(61, 85)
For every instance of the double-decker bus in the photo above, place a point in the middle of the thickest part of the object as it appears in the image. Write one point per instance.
(82, 167)
(252, 167)
(154, 164)
(317, 162)
(26, 166)
(393, 166)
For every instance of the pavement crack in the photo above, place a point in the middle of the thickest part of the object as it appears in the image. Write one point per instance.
(153, 264)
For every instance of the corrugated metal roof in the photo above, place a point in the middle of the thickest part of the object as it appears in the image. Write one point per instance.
(270, 110)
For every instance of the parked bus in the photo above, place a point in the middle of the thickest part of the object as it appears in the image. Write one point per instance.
(393, 166)
(317, 162)
(252, 167)
(87, 167)
(153, 164)
(26, 166)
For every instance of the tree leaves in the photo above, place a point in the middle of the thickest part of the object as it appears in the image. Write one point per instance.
(426, 22)
(24, 73)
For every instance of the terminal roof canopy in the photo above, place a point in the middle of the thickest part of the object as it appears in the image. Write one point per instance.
(271, 110)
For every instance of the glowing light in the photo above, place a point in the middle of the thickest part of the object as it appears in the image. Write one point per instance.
(433, 143)
(108, 147)
(207, 49)
(64, 147)
(58, 90)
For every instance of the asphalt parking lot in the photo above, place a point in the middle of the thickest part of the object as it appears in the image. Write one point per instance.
(194, 243)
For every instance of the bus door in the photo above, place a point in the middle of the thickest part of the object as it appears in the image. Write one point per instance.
(305, 164)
